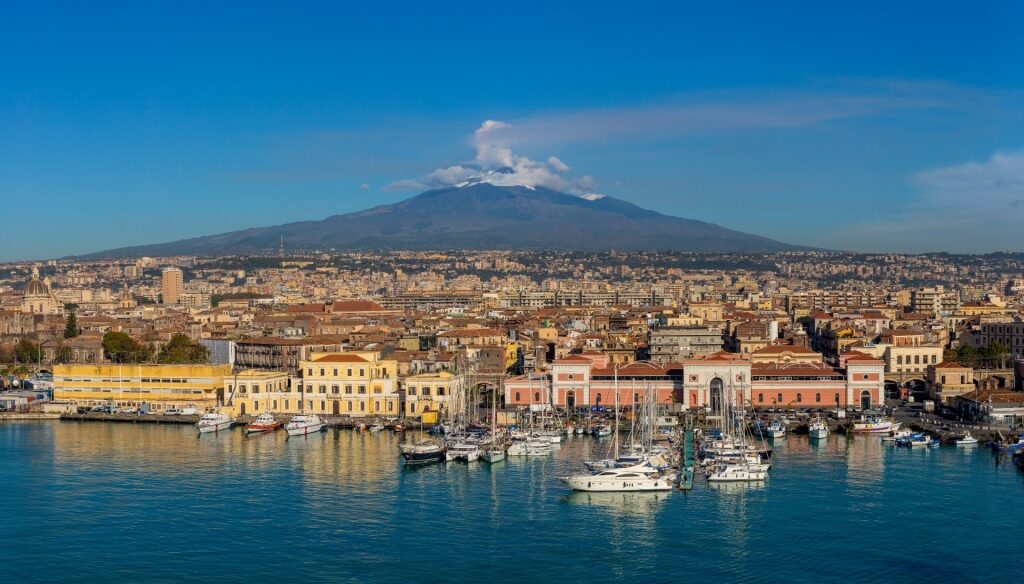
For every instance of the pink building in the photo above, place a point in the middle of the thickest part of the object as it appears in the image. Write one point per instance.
(587, 380)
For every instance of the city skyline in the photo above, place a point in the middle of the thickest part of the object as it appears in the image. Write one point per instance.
(898, 134)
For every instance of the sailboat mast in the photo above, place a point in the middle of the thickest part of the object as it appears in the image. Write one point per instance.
(616, 437)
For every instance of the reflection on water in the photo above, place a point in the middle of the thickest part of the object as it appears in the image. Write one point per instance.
(340, 506)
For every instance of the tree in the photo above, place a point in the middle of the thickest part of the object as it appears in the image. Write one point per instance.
(71, 328)
(63, 354)
(121, 348)
(26, 351)
(181, 349)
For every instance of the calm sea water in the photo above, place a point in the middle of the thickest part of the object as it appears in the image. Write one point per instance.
(116, 503)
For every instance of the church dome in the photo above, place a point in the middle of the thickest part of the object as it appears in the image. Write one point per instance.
(35, 287)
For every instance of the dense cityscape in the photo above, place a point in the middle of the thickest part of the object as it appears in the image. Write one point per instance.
(518, 318)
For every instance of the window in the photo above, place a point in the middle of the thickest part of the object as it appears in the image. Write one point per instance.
(636, 398)
(285, 404)
(323, 388)
(899, 359)
(362, 407)
(760, 398)
(440, 391)
(348, 389)
(323, 406)
(570, 376)
(412, 407)
(391, 406)
(799, 398)
(837, 399)
(350, 373)
(255, 405)
(412, 391)
(536, 396)
(321, 372)
(817, 398)
(350, 406)
(779, 400)
(275, 404)
(362, 389)
(362, 373)
(255, 388)
(335, 372)
(933, 359)
(517, 396)
(335, 389)
(426, 390)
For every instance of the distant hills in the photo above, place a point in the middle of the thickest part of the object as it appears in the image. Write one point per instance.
(479, 215)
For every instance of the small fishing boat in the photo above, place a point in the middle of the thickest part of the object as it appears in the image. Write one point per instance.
(817, 430)
(776, 429)
(966, 440)
(303, 425)
(423, 452)
(603, 430)
(896, 436)
(376, 427)
(262, 423)
(874, 425)
(934, 443)
(213, 422)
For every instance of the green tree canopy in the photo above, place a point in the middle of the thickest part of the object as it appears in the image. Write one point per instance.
(181, 349)
(71, 328)
(26, 351)
(121, 348)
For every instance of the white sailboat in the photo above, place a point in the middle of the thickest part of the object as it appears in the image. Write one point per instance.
(493, 452)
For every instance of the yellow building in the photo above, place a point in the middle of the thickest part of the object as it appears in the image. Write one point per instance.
(428, 394)
(253, 392)
(354, 384)
(157, 387)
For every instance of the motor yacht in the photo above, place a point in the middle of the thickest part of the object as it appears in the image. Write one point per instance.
(262, 423)
(214, 422)
(304, 424)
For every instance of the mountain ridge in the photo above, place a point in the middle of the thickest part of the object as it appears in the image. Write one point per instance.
(478, 215)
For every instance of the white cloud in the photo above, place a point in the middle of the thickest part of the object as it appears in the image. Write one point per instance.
(363, 186)
(973, 206)
(495, 163)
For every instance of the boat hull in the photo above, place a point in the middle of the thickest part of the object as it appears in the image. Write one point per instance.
(596, 485)
(306, 430)
(259, 428)
(218, 427)
(414, 458)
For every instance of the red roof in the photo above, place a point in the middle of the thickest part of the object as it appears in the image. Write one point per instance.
(341, 358)
(356, 306)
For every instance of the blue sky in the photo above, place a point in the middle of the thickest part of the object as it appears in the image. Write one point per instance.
(869, 126)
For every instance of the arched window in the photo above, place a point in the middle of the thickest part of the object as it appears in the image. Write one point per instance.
(778, 400)
(760, 398)
(517, 397)
(799, 398)
(817, 398)
(717, 388)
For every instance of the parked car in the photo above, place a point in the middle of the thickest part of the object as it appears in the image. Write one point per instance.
(173, 412)
(189, 411)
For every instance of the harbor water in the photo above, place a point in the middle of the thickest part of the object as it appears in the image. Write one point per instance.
(99, 502)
